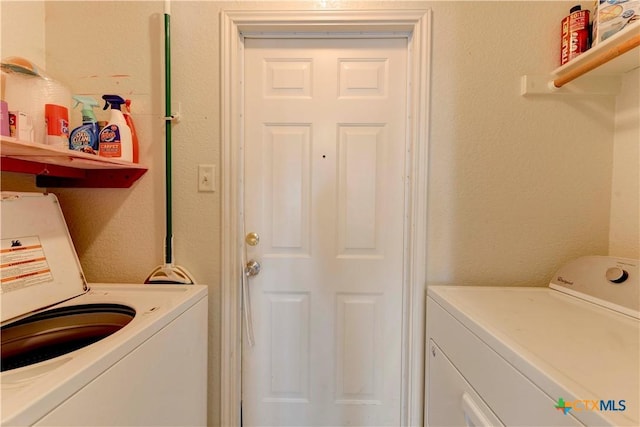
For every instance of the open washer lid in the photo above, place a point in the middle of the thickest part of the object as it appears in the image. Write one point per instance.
(39, 265)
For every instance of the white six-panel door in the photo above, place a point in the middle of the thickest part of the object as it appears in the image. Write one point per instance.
(324, 187)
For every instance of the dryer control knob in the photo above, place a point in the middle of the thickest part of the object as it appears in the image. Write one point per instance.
(616, 275)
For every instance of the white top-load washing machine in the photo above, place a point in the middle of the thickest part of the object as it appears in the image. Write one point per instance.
(78, 354)
(567, 354)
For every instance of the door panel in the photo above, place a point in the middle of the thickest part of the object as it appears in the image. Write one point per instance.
(360, 150)
(359, 355)
(324, 186)
(288, 313)
(286, 186)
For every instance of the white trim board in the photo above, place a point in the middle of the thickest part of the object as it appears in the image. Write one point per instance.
(415, 25)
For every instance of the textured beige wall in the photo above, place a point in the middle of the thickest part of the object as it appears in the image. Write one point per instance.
(624, 238)
(517, 186)
(16, 17)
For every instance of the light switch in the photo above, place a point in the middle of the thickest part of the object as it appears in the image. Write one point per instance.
(206, 177)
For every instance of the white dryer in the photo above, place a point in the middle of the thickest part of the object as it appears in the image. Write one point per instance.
(78, 354)
(567, 354)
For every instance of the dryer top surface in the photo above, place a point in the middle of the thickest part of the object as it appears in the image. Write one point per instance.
(591, 351)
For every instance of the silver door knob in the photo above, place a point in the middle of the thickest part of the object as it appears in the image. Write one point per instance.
(252, 268)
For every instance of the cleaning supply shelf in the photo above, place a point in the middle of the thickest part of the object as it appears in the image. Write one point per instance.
(595, 72)
(60, 167)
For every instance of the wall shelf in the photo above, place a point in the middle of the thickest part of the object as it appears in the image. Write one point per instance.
(595, 72)
(60, 167)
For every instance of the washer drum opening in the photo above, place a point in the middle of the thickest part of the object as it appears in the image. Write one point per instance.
(59, 331)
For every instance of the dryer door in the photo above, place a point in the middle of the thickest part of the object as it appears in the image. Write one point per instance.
(451, 401)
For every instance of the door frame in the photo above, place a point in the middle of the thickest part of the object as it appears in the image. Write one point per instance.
(415, 26)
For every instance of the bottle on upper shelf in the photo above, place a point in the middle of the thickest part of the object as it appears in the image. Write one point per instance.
(574, 34)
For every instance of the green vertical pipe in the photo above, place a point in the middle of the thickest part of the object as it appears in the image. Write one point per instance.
(167, 108)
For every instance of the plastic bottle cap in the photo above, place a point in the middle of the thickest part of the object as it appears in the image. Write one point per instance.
(575, 8)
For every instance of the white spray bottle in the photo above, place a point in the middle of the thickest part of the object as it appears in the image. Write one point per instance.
(115, 138)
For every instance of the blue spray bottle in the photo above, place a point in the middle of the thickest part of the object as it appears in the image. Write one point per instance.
(85, 137)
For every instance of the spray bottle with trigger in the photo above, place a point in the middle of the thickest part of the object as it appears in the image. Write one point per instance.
(115, 137)
(85, 137)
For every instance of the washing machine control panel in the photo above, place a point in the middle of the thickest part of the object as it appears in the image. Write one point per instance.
(608, 281)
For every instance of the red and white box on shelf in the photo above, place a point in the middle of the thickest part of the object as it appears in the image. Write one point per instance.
(21, 126)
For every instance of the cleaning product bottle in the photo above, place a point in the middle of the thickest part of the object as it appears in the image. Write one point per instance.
(56, 122)
(85, 137)
(134, 135)
(115, 137)
(574, 34)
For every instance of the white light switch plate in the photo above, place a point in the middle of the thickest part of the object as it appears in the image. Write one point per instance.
(206, 178)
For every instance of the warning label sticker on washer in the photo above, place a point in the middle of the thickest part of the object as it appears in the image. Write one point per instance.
(23, 264)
